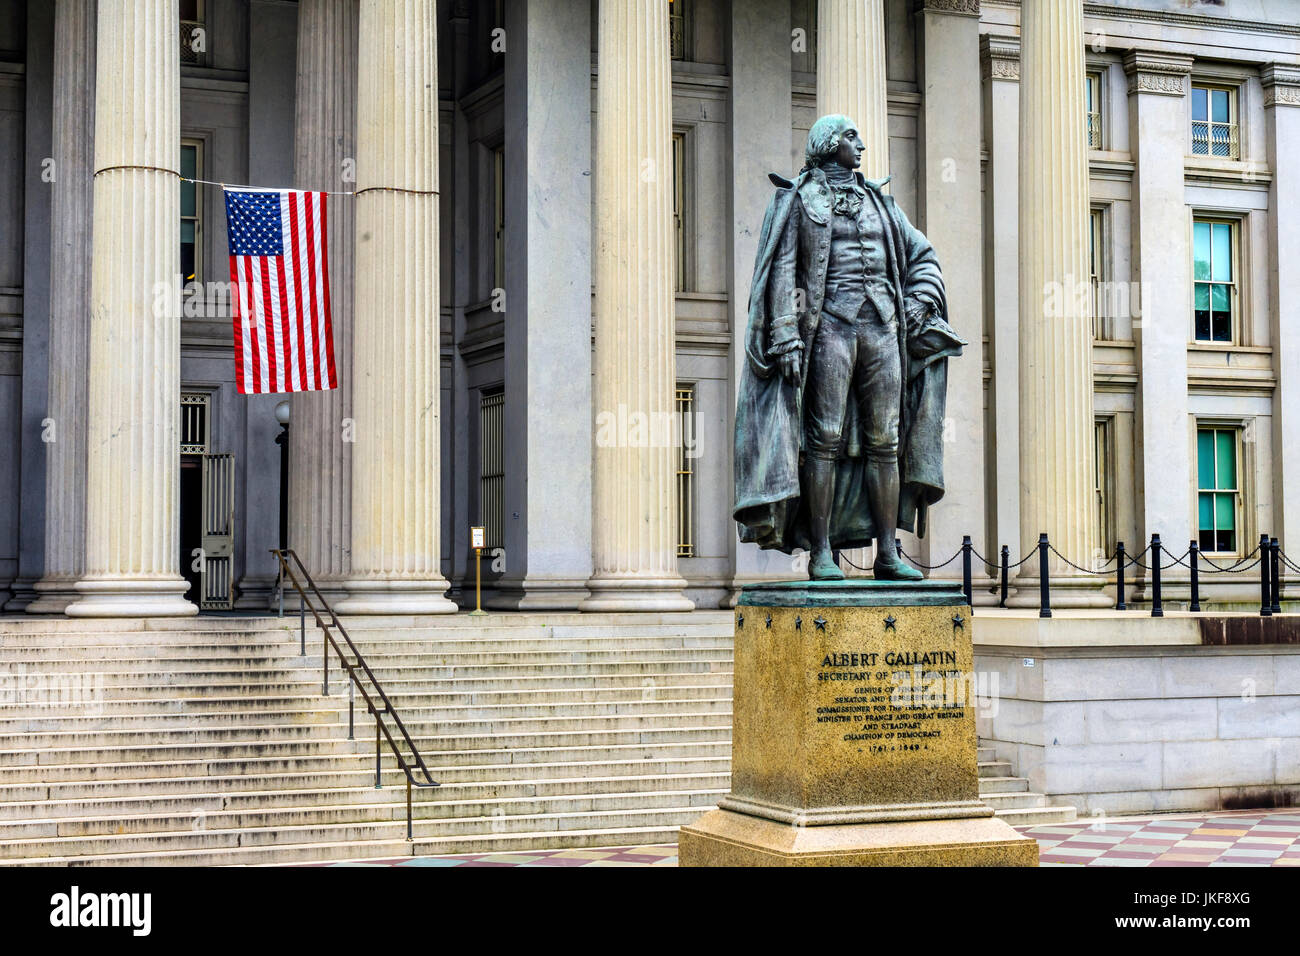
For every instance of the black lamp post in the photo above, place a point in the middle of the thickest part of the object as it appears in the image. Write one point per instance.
(282, 439)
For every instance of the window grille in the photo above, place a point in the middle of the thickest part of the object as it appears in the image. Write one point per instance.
(686, 472)
(492, 468)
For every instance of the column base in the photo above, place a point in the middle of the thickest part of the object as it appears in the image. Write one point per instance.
(132, 597)
(1074, 591)
(724, 838)
(54, 594)
(532, 594)
(23, 593)
(395, 596)
(636, 594)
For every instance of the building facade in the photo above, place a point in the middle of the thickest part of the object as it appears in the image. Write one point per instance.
(574, 198)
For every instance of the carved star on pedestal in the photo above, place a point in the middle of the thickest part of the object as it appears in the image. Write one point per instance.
(890, 622)
(769, 621)
(798, 623)
(820, 622)
(958, 621)
(740, 621)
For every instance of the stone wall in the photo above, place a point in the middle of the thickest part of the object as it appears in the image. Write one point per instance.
(1160, 721)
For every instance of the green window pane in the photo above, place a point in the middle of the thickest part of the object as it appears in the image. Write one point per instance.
(1219, 106)
(1201, 250)
(1221, 257)
(1202, 296)
(1225, 513)
(1225, 457)
(187, 231)
(1205, 458)
(1205, 508)
(1198, 104)
(1088, 87)
(189, 161)
(1219, 298)
(187, 199)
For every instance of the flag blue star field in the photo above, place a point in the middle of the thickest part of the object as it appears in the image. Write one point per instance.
(279, 268)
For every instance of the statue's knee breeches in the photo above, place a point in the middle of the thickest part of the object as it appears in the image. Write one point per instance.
(878, 386)
(830, 370)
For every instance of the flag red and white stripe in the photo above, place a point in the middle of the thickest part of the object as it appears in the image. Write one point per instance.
(279, 271)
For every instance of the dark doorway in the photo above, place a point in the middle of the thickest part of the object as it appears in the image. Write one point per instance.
(191, 508)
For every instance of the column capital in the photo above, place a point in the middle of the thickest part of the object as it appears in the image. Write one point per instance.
(965, 8)
(1150, 72)
(1281, 85)
(999, 58)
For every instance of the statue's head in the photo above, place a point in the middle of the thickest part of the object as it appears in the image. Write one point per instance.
(834, 139)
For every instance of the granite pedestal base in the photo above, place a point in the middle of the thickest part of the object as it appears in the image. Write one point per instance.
(853, 741)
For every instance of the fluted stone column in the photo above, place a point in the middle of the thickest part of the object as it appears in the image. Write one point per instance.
(395, 346)
(1056, 413)
(133, 455)
(70, 228)
(325, 150)
(634, 547)
(851, 73)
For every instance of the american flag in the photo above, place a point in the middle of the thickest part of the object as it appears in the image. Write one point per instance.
(280, 273)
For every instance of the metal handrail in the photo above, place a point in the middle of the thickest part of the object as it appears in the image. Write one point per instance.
(282, 557)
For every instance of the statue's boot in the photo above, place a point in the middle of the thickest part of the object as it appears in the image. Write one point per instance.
(822, 567)
(820, 475)
(882, 493)
(894, 568)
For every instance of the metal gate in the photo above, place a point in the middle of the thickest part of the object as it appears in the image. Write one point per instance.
(218, 532)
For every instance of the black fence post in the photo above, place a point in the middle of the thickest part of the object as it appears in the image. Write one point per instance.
(1119, 577)
(1265, 589)
(1157, 609)
(1006, 567)
(1276, 575)
(1194, 553)
(1044, 594)
(965, 571)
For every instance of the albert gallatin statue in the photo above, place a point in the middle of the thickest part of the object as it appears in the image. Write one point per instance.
(839, 418)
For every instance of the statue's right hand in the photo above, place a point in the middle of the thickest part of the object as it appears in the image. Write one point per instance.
(790, 367)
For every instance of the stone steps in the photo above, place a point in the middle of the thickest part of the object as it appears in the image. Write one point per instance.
(1010, 796)
(208, 742)
(443, 830)
(532, 778)
(427, 803)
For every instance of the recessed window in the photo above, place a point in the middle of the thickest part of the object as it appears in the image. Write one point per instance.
(492, 466)
(193, 32)
(679, 210)
(499, 218)
(1103, 480)
(1096, 272)
(1214, 122)
(1093, 95)
(686, 472)
(1217, 492)
(191, 212)
(679, 29)
(1214, 274)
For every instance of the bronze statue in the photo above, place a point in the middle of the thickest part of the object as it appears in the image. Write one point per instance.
(839, 420)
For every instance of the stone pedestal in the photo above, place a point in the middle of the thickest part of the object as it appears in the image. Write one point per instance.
(854, 734)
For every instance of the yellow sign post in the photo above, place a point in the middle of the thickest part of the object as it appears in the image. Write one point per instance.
(478, 541)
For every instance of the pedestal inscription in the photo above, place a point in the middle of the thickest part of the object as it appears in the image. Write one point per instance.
(854, 733)
(851, 714)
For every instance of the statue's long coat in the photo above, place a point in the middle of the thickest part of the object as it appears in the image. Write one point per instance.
(769, 413)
